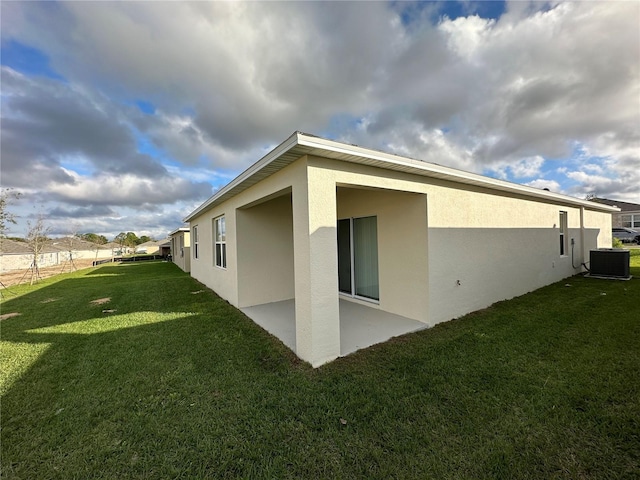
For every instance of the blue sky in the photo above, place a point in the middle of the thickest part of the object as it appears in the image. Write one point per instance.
(125, 116)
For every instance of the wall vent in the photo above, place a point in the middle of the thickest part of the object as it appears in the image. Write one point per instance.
(609, 263)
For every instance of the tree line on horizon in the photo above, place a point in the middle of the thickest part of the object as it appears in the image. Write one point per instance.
(39, 230)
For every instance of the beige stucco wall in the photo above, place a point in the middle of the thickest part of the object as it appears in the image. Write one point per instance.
(265, 252)
(402, 251)
(496, 245)
(445, 249)
(150, 249)
(313, 221)
(181, 256)
(225, 281)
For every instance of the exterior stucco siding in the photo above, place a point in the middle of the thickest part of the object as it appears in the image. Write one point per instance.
(444, 248)
(225, 281)
(402, 245)
(265, 252)
(473, 233)
(181, 249)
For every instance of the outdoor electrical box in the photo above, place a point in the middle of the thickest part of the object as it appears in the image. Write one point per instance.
(609, 263)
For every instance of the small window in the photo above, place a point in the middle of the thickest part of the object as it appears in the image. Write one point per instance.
(220, 242)
(563, 233)
(194, 234)
(630, 221)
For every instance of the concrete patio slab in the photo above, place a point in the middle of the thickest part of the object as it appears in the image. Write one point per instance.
(360, 326)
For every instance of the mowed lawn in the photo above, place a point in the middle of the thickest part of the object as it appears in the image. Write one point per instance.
(166, 380)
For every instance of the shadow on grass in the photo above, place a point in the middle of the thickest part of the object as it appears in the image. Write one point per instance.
(79, 376)
(176, 384)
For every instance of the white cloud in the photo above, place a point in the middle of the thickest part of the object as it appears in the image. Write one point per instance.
(465, 35)
(231, 79)
(525, 168)
(126, 190)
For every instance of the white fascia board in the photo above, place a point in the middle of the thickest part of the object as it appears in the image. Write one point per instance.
(177, 230)
(252, 170)
(394, 162)
(448, 173)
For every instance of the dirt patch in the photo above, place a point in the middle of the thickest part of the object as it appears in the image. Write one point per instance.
(9, 315)
(100, 301)
(16, 277)
(49, 300)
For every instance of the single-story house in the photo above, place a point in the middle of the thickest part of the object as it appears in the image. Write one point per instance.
(116, 249)
(78, 249)
(17, 255)
(153, 247)
(628, 216)
(164, 248)
(327, 244)
(147, 247)
(181, 248)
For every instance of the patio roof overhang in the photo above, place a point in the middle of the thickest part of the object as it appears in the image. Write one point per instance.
(300, 144)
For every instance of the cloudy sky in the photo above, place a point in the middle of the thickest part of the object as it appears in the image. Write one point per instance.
(126, 116)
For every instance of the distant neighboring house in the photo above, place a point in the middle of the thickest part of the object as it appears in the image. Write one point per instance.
(164, 247)
(150, 247)
(629, 215)
(78, 249)
(116, 250)
(14, 255)
(317, 228)
(56, 251)
(17, 256)
(180, 241)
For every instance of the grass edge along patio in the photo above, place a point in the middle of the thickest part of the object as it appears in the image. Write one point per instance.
(183, 385)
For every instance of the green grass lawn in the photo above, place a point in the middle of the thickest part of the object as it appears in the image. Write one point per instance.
(179, 384)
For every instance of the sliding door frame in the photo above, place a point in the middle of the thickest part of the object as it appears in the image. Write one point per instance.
(352, 261)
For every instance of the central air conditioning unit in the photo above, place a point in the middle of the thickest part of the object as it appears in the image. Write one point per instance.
(609, 263)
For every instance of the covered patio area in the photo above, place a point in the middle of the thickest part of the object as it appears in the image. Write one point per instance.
(360, 326)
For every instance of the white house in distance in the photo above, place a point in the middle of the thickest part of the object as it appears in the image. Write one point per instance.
(181, 248)
(334, 247)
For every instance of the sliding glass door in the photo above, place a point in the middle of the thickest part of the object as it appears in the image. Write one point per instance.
(358, 257)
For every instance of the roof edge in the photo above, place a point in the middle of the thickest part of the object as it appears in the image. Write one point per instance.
(285, 146)
(453, 174)
(180, 229)
(438, 171)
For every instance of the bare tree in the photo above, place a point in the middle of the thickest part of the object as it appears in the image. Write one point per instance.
(7, 196)
(36, 238)
(70, 242)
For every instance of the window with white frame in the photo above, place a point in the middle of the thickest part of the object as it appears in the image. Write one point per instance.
(563, 233)
(181, 246)
(194, 234)
(631, 220)
(220, 242)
